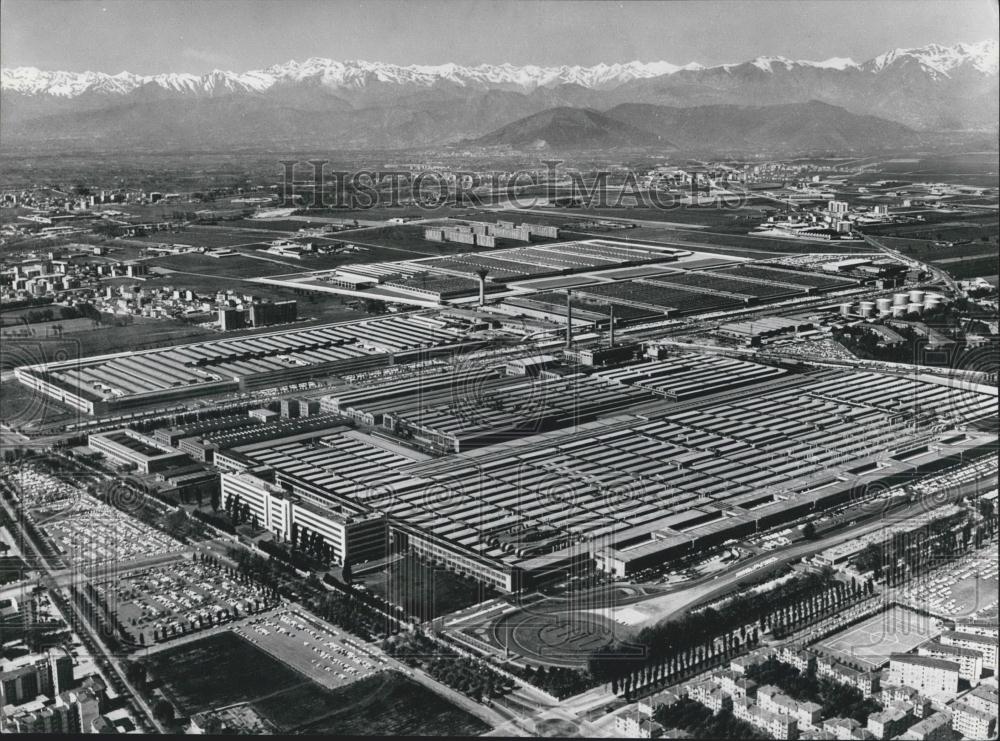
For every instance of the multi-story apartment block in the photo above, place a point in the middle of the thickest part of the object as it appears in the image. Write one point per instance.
(26, 677)
(972, 722)
(984, 644)
(927, 674)
(970, 662)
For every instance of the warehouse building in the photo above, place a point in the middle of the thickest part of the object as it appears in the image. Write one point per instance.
(130, 448)
(99, 384)
(628, 492)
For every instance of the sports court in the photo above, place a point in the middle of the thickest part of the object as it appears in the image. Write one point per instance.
(869, 643)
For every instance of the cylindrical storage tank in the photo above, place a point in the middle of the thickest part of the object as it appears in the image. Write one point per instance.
(932, 300)
(899, 311)
(845, 309)
(900, 299)
(867, 307)
(916, 297)
(915, 309)
(884, 305)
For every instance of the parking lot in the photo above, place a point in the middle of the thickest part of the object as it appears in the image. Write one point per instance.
(174, 599)
(331, 657)
(36, 489)
(959, 589)
(95, 534)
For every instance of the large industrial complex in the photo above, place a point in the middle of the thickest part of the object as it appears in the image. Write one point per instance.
(632, 491)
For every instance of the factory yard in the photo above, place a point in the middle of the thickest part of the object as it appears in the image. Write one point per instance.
(178, 598)
(968, 586)
(96, 534)
(896, 630)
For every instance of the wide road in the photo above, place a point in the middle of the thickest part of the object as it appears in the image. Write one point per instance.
(107, 658)
(671, 605)
(645, 610)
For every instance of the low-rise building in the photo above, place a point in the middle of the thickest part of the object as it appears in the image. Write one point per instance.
(651, 704)
(128, 447)
(800, 659)
(867, 682)
(755, 658)
(708, 694)
(890, 722)
(936, 727)
(776, 725)
(633, 723)
(846, 729)
(907, 696)
(735, 685)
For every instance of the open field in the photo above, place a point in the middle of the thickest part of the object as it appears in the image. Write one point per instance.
(134, 336)
(926, 249)
(897, 630)
(424, 591)
(741, 245)
(972, 267)
(969, 168)
(21, 406)
(224, 669)
(234, 267)
(203, 236)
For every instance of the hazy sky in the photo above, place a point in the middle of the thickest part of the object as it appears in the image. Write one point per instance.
(148, 36)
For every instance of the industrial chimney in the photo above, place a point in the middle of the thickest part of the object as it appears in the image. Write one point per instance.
(482, 273)
(611, 325)
(569, 320)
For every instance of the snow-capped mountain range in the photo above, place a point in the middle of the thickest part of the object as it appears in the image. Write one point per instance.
(935, 60)
(325, 104)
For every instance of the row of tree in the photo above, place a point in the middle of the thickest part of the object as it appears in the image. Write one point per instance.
(698, 641)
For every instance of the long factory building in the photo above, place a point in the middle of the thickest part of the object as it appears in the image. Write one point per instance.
(627, 493)
(99, 384)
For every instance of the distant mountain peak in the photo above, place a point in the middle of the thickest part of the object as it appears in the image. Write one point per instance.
(935, 59)
(942, 60)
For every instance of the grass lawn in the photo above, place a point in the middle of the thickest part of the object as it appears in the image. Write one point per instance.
(109, 339)
(423, 590)
(224, 669)
(386, 704)
(972, 267)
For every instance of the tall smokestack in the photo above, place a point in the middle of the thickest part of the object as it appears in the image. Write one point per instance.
(482, 273)
(611, 325)
(569, 320)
